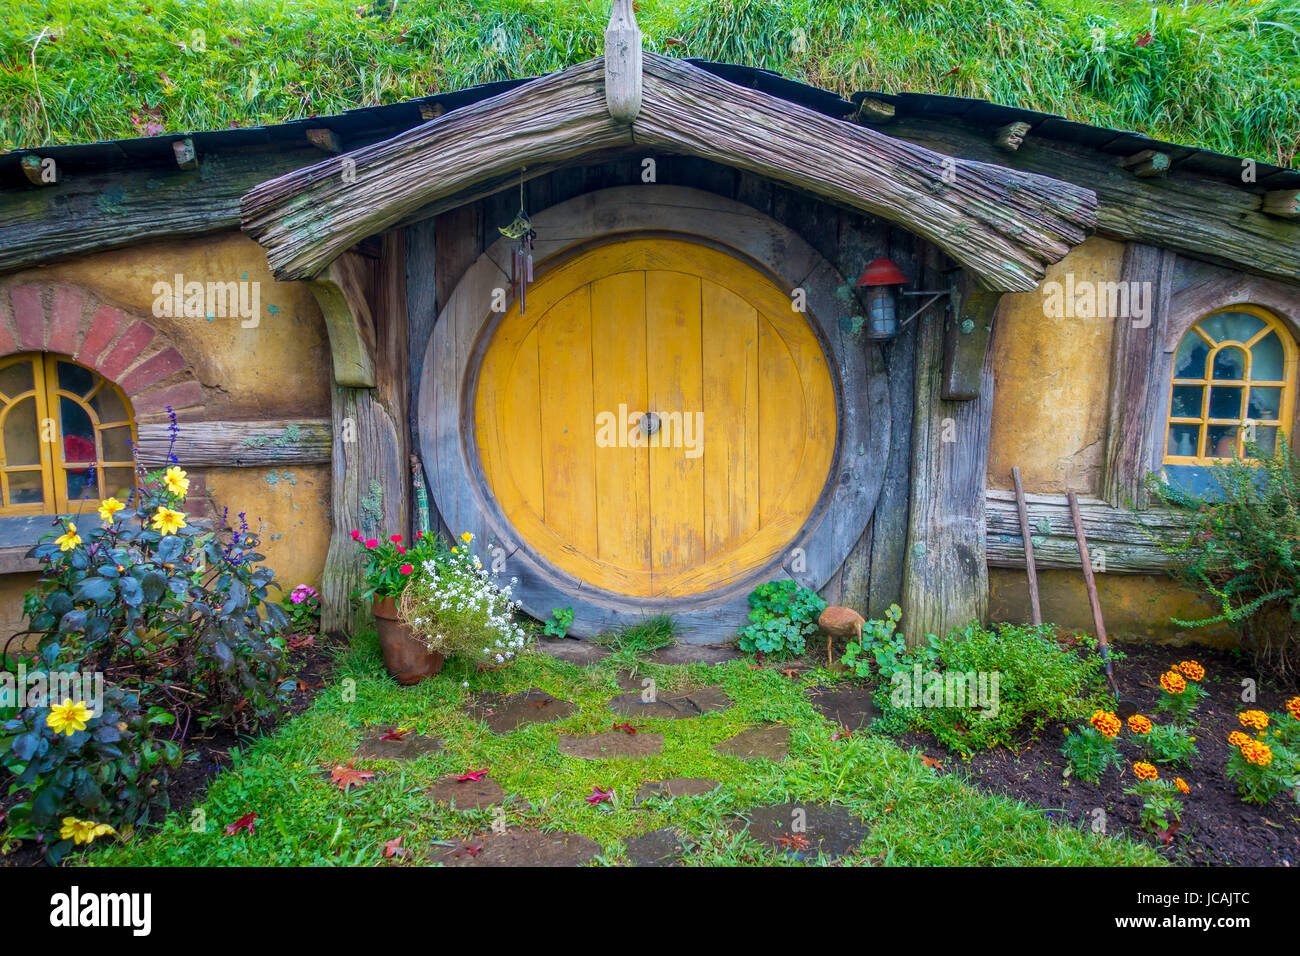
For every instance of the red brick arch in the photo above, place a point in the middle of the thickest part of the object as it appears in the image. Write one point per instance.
(125, 349)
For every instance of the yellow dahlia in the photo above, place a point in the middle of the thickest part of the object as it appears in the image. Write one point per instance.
(1173, 682)
(69, 539)
(1139, 724)
(108, 508)
(1191, 670)
(1254, 719)
(68, 718)
(176, 481)
(83, 831)
(166, 521)
(1145, 771)
(1105, 722)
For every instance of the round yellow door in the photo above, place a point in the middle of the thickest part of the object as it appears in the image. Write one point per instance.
(659, 422)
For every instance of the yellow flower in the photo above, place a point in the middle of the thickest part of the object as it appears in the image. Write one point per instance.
(1254, 719)
(1191, 670)
(1105, 722)
(1173, 682)
(176, 481)
(1293, 707)
(109, 507)
(167, 521)
(1238, 739)
(1145, 771)
(1260, 754)
(1182, 786)
(467, 537)
(68, 718)
(83, 831)
(1139, 724)
(69, 539)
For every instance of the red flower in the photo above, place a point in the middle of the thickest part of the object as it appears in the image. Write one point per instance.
(395, 538)
(406, 569)
(401, 550)
(372, 543)
(356, 535)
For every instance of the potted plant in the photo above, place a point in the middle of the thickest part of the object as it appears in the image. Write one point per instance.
(389, 568)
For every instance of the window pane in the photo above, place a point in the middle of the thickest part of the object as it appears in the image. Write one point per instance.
(82, 483)
(26, 488)
(1264, 403)
(1267, 359)
(1230, 363)
(1187, 401)
(78, 433)
(1237, 326)
(1192, 353)
(1225, 401)
(1221, 441)
(1265, 441)
(114, 442)
(118, 482)
(108, 406)
(22, 434)
(1182, 440)
(75, 379)
(16, 379)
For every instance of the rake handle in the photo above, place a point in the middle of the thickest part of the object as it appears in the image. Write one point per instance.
(1091, 582)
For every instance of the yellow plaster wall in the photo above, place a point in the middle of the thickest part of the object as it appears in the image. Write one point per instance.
(278, 369)
(1052, 383)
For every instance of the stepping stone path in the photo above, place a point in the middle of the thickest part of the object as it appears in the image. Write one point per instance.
(674, 705)
(657, 848)
(828, 829)
(521, 847)
(847, 704)
(504, 713)
(411, 745)
(694, 654)
(467, 794)
(612, 744)
(572, 650)
(769, 740)
(675, 787)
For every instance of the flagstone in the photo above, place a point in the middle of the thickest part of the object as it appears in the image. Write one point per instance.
(521, 847)
(411, 746)
(661, 847)
(771, 741)
(466, 794)
(504, 713)
(849, 705)
(612, 744)
(829, 829)
(675, 787)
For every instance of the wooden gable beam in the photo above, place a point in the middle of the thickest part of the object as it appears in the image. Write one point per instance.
(342, 294)
(967, 331)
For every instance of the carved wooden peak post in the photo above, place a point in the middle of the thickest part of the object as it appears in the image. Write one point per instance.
(623, 63)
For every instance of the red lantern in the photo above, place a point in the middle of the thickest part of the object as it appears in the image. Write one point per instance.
(882, 279)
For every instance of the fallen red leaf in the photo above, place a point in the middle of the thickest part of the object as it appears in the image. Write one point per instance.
(394, 848)
(472, 775)
(842, 734)
(791, 672)
(346, 777)
(1166, 835)
(243, 823)
(599, 796)
(470, 850)
(1145, 38)
(931, 762)
(397, 733)
(626, 728)
(796, 841)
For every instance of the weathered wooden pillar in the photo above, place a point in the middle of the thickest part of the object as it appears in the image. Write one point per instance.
(365, 311)
(945, 581)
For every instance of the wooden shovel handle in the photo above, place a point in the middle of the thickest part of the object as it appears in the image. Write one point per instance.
(1031, 568)
(1086, 560)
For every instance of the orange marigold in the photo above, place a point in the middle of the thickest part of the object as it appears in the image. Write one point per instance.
(1238, 739)
(1257, 753)
(1254, 719)
(1145, 771)
(1191, 670)
(1182, 786)
(1105, 722)
(1173, 682)
(1293, 707)
(1139, 724)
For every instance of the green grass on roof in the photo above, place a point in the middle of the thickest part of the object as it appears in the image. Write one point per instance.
(1223, 75)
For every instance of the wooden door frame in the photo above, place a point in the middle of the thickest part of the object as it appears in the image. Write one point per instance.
(464, 328)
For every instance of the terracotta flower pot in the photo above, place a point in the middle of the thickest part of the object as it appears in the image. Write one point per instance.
(405, 655)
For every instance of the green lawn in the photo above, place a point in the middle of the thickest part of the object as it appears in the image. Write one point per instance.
(917, 816)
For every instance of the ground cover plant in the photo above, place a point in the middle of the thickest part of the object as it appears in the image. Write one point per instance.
(278, 803)
(1220, 76)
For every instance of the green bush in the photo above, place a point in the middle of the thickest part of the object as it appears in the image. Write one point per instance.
(1240, 552)
(1171, 744)
(782, 616)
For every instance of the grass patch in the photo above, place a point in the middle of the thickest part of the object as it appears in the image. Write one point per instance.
(1219, 75)
(916, 815)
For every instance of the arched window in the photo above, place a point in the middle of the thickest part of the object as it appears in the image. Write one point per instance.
(1233, 387)
(67, 435)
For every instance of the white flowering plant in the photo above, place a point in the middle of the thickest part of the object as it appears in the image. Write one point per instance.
(456, 607)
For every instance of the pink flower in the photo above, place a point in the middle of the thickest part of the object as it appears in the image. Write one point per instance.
(406, 569)
(395, 538)
(356, 535)
(372, 543)
(401, 550)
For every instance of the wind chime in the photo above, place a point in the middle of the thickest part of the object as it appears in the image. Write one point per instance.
(521, 263)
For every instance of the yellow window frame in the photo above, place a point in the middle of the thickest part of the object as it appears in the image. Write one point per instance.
(1286, 409)
(53, 466)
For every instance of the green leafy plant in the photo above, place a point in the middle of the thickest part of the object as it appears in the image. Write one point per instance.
(1089, 752)
(559, 623)
(782, 616)
(1239, 550)
(390, 564)
(1161, 809)
(883, 651)
(1266, 764)
(1171, 744)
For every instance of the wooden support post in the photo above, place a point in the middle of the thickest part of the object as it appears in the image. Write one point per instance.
(1284, 203)
(623, 63)
(945, 582)
(1027, 538)
(967, 329)
(342, 294)
(1146, 162)
(186, 157)
(1011, 136)
(872, 111)
(325, 139)
(40, 170)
